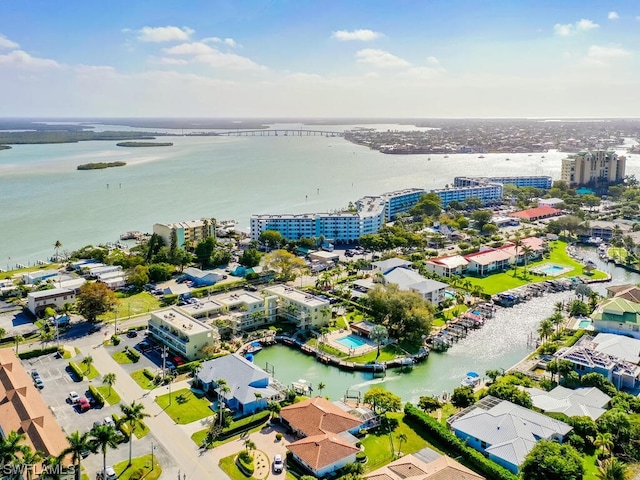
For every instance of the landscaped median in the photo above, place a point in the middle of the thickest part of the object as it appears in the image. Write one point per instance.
(81, 371)
(140, 468)
(235, 428)
(184, 406)
(144, 378)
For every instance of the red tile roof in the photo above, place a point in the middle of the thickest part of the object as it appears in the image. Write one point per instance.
(319, 451)
(538, 212)
(318, 415)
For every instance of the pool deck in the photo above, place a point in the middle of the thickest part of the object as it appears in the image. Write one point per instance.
(558, 270)
(332, 338)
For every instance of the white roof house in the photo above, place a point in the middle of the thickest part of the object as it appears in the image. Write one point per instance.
(410, 280)
(588, 402)
(385, 266)
(504, 431)
(622, 347)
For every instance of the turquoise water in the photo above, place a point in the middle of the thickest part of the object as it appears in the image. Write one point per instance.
(449, 294)
(552, 270)
(584, 323)
(46, 199)
(351, 341)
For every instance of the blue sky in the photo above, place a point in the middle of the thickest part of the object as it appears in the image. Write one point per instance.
(323, 58)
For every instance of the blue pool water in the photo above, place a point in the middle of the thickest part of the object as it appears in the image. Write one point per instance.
(552, 270)
(449, 294)
(351, 341)
(584, 323)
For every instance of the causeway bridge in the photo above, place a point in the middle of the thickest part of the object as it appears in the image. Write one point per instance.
(285, 132)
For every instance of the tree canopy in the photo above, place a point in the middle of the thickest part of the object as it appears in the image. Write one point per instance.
(286, 265)
(382, 401)
(95, 299)
(551, 460)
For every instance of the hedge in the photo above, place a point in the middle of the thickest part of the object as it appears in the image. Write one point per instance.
(246, 467)
(37, 352)
(454, 445)
(122, 426)
(186, 367)
(97, 395)
(132, 354)
(77, 370)
(244, 424)
(147, 373)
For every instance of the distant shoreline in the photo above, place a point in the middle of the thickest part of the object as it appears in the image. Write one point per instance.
(144, 144)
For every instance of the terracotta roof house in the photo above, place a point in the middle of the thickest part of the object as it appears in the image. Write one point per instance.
(23, 410)
(488, 261)
(327, 444)
(410, 467)
(627, 292)
(538, 213)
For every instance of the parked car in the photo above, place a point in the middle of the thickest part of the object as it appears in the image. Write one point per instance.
(144, 346)
(109, 472)
(278, 464)
(36, 379)
(73, 397)
(83, 404)
(178, 360)
(169, 365)
(132, 333)
(109, 422)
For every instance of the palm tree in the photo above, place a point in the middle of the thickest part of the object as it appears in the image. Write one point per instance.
(57, 246)
(104, 437)
(79, 443)
(402, 437)
(53, 469)
(18, 339)
(527, 251)
(3, 333)
(223, 389)
(88, 361)
(321, 386)
(274, 408)
(613, 469)
(379, 334)
(12, 448)
(29, 459)
(517, 242)
(604, 441)
(558, 307)
(545, 330)
(557, 320)
(249, 444)
(132, 415)
(109, 379)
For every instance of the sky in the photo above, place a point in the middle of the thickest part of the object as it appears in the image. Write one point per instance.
(299, 58)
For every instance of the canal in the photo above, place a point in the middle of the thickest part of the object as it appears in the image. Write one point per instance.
(500, 343)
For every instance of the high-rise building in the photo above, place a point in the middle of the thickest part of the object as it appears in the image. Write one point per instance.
(598, 168)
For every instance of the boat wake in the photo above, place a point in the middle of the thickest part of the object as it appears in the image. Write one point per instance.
(375, 381)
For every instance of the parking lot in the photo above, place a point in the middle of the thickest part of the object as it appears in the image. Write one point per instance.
(151, 359)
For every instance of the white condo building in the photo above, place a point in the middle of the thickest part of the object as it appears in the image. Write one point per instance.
(372, 213)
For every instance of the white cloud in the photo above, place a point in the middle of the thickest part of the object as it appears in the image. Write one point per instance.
(168, 61)
(584, 25)
(613, 16)
(380, 58)
(606, 53)
(229, 42)
(433, 60)
(164, 34)
(203, 53)
(5, 43)
(422, 73)
(363, 35)
(567, 29)
(21, 59)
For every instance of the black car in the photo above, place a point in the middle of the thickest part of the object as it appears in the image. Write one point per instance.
(132, 333)
(94, 328)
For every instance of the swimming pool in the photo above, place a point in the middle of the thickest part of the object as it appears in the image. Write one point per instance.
(551, 269)
(584, 323)
(351, 341)
(449, 294)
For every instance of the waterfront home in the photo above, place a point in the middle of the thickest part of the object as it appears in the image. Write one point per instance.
(617, 315)
(447, 266)
(414, 467)
(24, 411)
(185, 233)
(604, 229)
(410, 280)
(385, 266)
(181, 333)
(586, 358)
(300, 308)
(488, 261)
(627, 291)
(503, 431)
(36, 276)
(202, 278)
(590, 402)
(250, 388)
(327, 442)
(55, 298)
(243, 310)
(537, 213)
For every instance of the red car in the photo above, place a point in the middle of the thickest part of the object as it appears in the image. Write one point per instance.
(83, 404)
(178, 360)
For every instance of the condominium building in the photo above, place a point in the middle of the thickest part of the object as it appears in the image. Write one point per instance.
(536, 181)
(306, 311)
(242, 310)
(55, 298)
(600, 167)
(189, 232)
(347, 227)
(181, 333)
(485, 192)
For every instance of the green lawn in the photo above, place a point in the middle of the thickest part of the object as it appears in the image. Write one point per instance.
(618, 253)
(110, 399)
(142, 464)
(10, 273)
(130, 305)
(590, 467)
(378, 447)
(142, 380)
(228, 466)
(91, 373)
(141, 430)
(441, 318)
(499, 282)
(328, 349)
(186, 407)
(121, 357)
(389, 352)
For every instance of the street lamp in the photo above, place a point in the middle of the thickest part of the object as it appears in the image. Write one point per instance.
(153, 447)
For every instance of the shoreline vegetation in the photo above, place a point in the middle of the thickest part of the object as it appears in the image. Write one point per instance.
(100, 165)
(144, 144)
(5, 147)
(63, 136)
